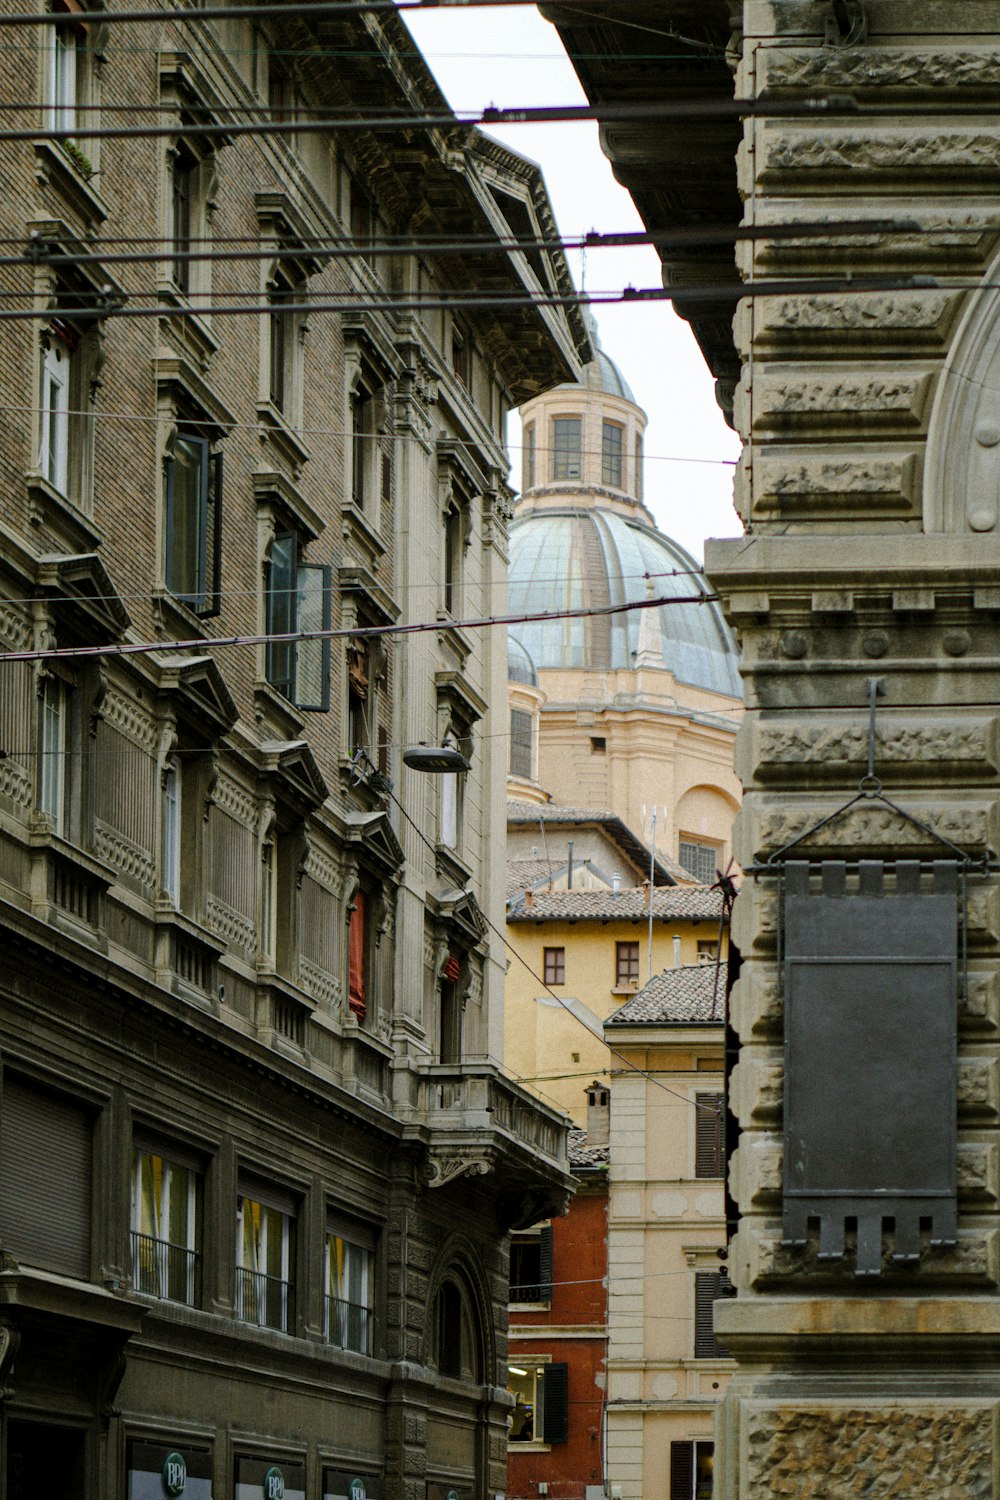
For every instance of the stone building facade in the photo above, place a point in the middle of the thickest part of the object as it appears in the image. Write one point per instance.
(867, 579)
(258, 1160)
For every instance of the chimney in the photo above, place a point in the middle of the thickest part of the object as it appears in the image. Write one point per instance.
(598, 1114)
(677, 952)
(616, 885)
(529, 897)
(569, 867)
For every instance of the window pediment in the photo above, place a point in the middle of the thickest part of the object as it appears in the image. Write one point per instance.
(377, 359)
(183, 83)
(373, 603)
(83, 586)
(373, 832)
(177, 376)
(292, 764)
(456, 694)
(457, 472)
(273, 489)
(200, 683)
(283, 222)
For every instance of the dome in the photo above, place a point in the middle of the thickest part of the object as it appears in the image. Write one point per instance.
(520, 667)
(601, 374)
(574, 557)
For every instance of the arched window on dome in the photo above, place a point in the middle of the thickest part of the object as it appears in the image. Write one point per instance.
(522, 744)
(637, 460)
(528, 469)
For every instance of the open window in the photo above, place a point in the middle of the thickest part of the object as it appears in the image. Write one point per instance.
(166, 1183)
(541, 1401)
(265, 1281)
(350, 1286)
(531, 1265)
(297, 600)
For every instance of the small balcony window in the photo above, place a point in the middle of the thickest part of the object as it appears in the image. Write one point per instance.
(263, 1264)
(164, 1227)
(350, 1285)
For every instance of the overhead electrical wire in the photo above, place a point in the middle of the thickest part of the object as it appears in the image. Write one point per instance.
(331, 9)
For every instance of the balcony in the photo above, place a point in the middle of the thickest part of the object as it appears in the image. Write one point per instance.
(349, 1325)
(264, 1300)
(161, 1269)
(482, 1122)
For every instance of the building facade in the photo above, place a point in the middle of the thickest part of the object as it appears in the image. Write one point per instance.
(258, 1159)
(864, 387)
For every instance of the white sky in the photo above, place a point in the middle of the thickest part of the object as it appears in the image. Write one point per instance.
(510, 57)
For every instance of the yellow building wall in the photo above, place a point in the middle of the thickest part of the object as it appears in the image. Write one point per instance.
(547, 1045)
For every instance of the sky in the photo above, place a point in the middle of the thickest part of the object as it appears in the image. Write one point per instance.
(510, 57)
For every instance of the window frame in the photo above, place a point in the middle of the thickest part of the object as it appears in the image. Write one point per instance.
(627, 964)
(709, 1287)
(200, 591)
(522, 739)
(172, 800)
(53, 737)
(360, 1246)
(293, 608)
(548, 1380)
(274, 1216)
(530, 457)
(685, 1459)
(693, 855)
(709, 1149)
(160, 1267)
(542, 1285)
(567, 449)
(612, 453)
(554, 965)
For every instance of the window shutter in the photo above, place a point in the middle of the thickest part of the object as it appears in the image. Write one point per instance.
(553, 1398)
(312, 658)
(280, 613)
(545, 1265)
(709, 1286)
(168, 507)
(708, 1153)
(681, 1471)
(45, 1179)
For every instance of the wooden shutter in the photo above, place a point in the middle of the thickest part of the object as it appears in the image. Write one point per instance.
(545, 1264)
(709, 1286)
(681, 1471)
(45, 1178)
(708, 1153)
(553, 1400)
(213, 538)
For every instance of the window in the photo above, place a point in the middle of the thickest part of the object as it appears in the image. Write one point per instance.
(699, 860)
(172, 790)
(281, 332)
(358, 938)
(598, 744)
(522, 743)
(183, 187)
(453, 529)
(691, 1470)
(612, 434)
(350, 1282)
(54, 743)
(637, 479)
(626, 966)
(45, 1178)
(361, 700)
(451, 797)
(193, 480)
(263, 1262)
(709, 1135)
(363, 443)
(531, 1266)
(528, 477)
(461, 358)
(566, 447)
(449, 1330)
(541, 1402)
(708, 950)
(297, 598)
(280, 102)
(554, 965)
(59, 343)
(362, 221)
(709, 1288)
(67, 78)
(164, 1226)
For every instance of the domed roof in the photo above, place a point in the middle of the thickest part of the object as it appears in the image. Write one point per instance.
(520, 667)
(575, 557)
(601, 374)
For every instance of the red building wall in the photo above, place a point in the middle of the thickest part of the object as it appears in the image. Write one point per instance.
(573, 1330)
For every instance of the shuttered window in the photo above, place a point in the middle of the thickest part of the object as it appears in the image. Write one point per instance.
(45, 1178)
(531, 1266)
(553, 1400)
(691, 1471)
(708, 1150)
(709, 1287)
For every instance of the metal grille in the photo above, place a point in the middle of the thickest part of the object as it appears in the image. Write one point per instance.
(349, 1325)
(163, 1270)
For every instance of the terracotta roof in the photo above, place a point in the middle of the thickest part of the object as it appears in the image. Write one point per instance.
(524, 872)
(520, 812)
(631, 905)
(581, 1154)
(693, 992)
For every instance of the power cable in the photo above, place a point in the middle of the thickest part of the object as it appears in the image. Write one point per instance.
(332, 9)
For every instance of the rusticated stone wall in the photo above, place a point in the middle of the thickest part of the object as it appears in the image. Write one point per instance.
(870, 490)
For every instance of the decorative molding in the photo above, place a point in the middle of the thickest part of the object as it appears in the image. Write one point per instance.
(130, 720)
(877, 69)
(322, 868)
(230, 924)
(323, 987)
(236, 802)
(15, 783)
(444, 1167)
(130, 858)
(15, 630)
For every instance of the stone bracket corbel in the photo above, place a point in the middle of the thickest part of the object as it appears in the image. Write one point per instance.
(446, 1165)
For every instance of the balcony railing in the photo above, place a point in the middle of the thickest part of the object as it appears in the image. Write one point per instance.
(164, 1270)
(349, 1325)
(262, 1299)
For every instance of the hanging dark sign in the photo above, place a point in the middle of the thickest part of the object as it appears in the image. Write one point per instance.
(871, 977)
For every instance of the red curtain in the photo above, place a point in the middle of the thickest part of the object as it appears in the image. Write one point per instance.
(356, 943)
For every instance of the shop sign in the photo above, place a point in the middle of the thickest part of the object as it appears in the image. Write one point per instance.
(157, 1471)
(263, 1479)
(348, 1484)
